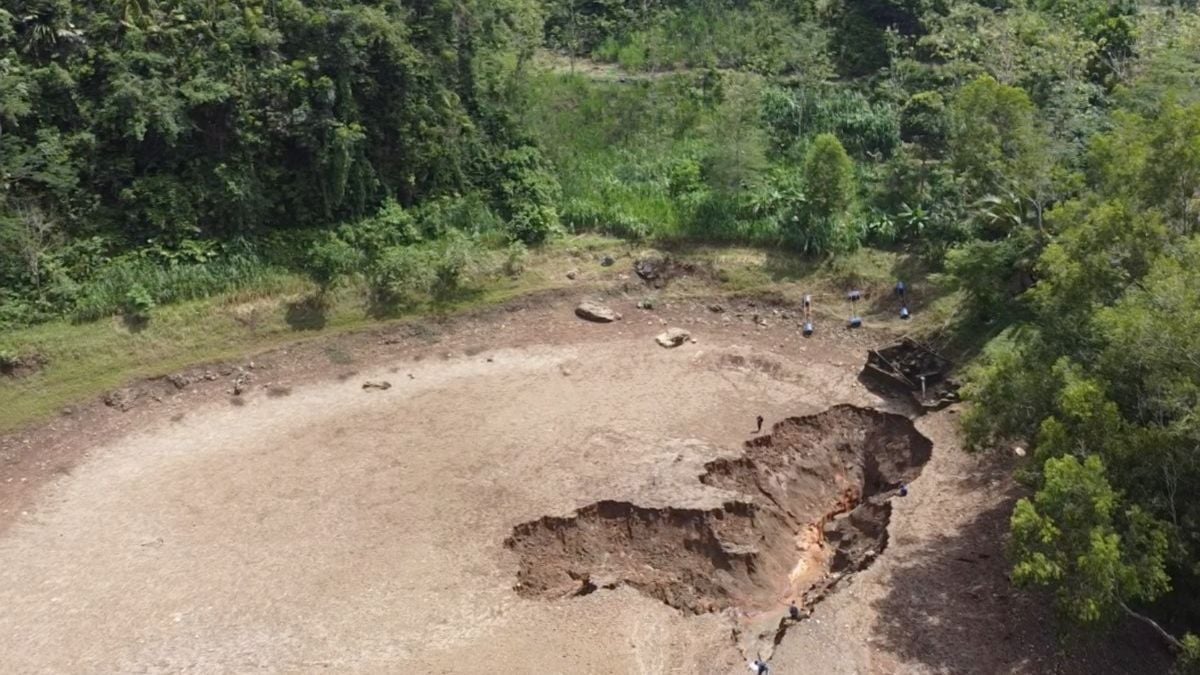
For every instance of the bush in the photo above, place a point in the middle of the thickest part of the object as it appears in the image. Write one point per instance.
(455, 259)
(527, 193)
(137, 303)
(406, 275)
(400, 275)
(329, 260)
(514, 259)
(392, 225)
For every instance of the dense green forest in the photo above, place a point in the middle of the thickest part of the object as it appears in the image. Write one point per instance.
(1043, 156)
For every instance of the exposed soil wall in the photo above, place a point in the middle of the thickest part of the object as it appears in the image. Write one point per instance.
(808, 500)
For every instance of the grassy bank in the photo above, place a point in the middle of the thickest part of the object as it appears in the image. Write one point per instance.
(88, 359)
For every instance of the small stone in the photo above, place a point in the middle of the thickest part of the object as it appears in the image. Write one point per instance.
(607, 261)
(381, 385)
(572, 274)
(716, 309)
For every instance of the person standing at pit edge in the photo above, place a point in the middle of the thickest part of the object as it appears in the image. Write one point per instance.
(760, 423)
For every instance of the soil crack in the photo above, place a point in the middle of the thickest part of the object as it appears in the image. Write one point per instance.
(812, 506)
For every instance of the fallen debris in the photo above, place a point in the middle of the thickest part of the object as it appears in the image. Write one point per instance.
(381, 385)
(911, 368)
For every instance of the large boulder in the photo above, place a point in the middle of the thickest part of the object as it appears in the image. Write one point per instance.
(596, 312)
(673, 337)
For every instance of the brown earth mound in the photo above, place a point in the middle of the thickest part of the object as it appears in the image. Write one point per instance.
(811, 505)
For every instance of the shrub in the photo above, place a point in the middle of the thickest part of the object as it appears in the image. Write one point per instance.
(514, 259)
(828, 178)
(329, 260)
(400, 275)
(454, 262)
(528, 192)
(138, 302)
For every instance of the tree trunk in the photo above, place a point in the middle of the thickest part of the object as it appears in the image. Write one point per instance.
(1171, 640)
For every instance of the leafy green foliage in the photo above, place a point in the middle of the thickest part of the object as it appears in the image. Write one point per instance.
(330, 260)
(1073, 536)
(528, 195)
(161, 126)
(138, 302)
(828, 178)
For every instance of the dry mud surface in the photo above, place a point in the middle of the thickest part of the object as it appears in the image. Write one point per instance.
(532, 494)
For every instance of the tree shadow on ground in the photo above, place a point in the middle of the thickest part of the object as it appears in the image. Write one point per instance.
(135, 323)
(306, 314)
(954, 610)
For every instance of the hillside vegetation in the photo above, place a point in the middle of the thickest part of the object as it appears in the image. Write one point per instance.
(1041, 156)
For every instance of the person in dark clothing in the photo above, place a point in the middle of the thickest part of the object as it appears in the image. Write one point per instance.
(793, 612)
(760, 423)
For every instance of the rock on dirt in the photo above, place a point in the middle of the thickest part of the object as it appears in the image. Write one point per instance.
(650, 268)
(241, 382)
(180, 380)
(572, 274)
(596, 312)
(122, 399)
(716, 309)
(607, 261)
(673, 337)
(381, 385)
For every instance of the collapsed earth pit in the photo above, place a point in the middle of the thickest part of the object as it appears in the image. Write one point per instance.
(807, 504)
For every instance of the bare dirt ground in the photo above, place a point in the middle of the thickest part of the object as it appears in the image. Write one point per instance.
(308, 525)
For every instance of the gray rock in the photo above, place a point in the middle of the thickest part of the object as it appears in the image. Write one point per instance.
(572, 274)
(180, 380)
(607, 261)
(673, 337)
(122, 399)
(596, 312)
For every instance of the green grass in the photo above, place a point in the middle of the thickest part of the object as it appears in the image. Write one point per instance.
(87, 359)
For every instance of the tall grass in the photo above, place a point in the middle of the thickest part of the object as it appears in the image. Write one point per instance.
(167, 284)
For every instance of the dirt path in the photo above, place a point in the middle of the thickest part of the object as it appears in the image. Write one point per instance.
(320, 526)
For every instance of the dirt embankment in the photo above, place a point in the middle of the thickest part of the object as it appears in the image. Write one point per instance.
(809, 503)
